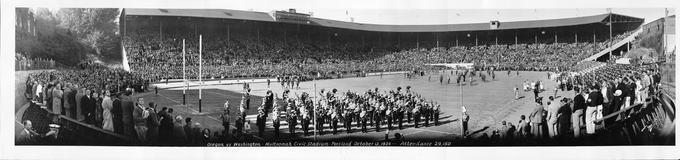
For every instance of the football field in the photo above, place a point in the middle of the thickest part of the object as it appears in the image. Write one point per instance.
(487, 102)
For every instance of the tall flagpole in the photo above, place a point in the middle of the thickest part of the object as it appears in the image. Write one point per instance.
(200, 70)
(184, 73)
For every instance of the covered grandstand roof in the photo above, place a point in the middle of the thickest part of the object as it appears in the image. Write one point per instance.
(261, 16)
(201, 13)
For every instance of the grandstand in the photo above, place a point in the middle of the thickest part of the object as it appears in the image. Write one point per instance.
(240, 42)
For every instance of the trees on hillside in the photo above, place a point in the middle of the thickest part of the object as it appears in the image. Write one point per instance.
(72, 35)
(96, 27)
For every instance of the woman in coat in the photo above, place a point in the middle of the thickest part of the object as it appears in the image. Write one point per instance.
(56, 99)
(107, 105)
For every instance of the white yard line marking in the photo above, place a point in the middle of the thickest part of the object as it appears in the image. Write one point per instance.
(223, 94)
(412, 133)
(420, 129)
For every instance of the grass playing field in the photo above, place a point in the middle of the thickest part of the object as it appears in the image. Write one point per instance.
(487, 103)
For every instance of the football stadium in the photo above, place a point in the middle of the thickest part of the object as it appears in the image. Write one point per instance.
(197, 77)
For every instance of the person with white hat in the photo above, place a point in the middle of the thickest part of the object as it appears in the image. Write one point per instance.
(226, 117)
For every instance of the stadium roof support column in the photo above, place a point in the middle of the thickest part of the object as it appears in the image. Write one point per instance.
(436, 37)
(228, 33)
(456, 40)
(398, 41)
(593, 35)
(536, 38)
(515, 38)
(575, 37)
(496, 40)
(160, 29)
(417, 41)
(476, 40)
(555, 37)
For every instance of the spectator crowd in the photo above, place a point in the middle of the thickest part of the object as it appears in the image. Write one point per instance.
(597, 93)
(159, 57)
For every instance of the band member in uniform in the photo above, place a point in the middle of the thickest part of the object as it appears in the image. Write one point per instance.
(305, 118)
(292, 118)
(239, 125)
(261, 121)
(416, 114)
(400, 113)
(334, 119)
(380, 115)
(319, 117)
(435, 114)
(275, 120)
(426, 114)
(408, 110)
(464, 121)
(388, 116)
(347, 117)
(363, 120)
(224, 117)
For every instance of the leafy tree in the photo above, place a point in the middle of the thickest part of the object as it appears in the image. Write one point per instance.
(96, 27)
(72, 35)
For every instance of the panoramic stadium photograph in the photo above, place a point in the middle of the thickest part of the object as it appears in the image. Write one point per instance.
(292, 77)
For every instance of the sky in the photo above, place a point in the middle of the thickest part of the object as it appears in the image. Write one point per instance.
(405, 12)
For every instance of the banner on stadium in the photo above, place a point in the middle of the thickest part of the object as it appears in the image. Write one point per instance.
(623, 61)
(456, 65)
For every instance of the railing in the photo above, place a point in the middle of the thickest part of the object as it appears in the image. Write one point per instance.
(632, 125)
(74, 132)
(27, 64)
(616, 45)
(85, 134)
